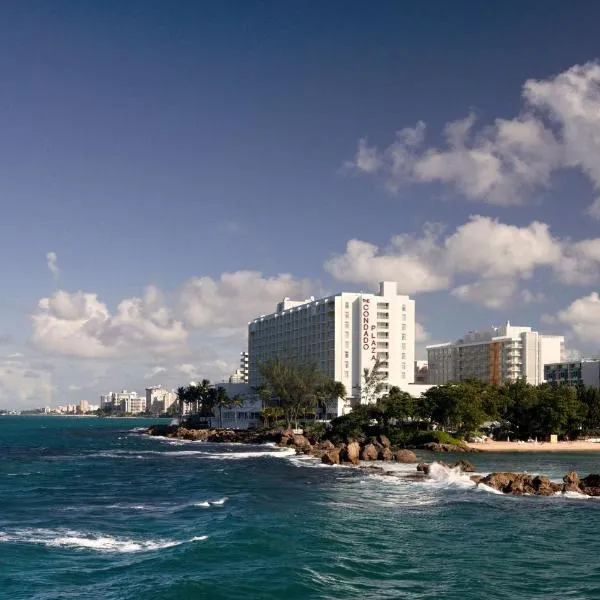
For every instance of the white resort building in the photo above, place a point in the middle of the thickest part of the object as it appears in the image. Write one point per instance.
(159, 400)
(343, 334)
(495, 355)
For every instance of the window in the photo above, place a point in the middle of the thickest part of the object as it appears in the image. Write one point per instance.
(347, 344)
(403, 356)
(346, 354)
(403, 366)
(403, 326)
(346, 374)
(404, 316)
(347, 315)
(404, 308)
(403, 346)
(346, 364)
(347, 305)
(403, 374)
(347, 334)
(347, 325)
(403, 336)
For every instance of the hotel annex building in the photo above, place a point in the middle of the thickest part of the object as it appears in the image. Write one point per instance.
(343, 334)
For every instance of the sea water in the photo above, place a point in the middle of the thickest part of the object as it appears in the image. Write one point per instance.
(94, 509)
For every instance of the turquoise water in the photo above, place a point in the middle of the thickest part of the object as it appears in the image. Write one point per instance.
(92, 509)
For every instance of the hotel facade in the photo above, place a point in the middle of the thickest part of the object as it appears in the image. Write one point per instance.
(342, 334)
(496, 355)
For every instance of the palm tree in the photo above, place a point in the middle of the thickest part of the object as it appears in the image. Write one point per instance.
(182, 395)
(220, 398)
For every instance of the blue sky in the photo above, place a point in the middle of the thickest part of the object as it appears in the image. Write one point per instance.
(189, 163)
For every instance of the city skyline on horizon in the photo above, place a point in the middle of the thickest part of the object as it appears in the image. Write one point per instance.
(172, 172)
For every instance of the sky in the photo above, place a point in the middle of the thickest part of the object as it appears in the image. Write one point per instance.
(171, 170)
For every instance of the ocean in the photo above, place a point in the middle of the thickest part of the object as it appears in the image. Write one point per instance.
(94, 509)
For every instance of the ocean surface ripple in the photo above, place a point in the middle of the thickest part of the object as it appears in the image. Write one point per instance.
(94, 509)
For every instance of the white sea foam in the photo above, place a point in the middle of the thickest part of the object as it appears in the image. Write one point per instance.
(218, 502)
(257, 454)
(66, 538)
(448, 476)
(204, 504)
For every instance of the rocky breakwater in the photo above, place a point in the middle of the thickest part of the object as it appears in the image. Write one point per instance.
(216, 436)
(518, 484)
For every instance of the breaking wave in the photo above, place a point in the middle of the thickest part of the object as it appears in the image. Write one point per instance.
(67, 538)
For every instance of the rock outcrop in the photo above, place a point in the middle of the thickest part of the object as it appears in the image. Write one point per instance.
(369, 452)
(518, 484)
(405, 456)
(351, 453)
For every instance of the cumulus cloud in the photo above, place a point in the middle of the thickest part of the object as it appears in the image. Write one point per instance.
(219, 369)
(156, 371)
(506, 162)
(410, 260)
(22, 385)
(51, 259)
(583, 317)
(79, 324)
(492, 256)
(235, 298)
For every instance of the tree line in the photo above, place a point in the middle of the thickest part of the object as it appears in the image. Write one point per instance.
(295, 391)
(514, 410)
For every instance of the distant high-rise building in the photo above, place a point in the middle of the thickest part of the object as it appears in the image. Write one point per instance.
(495, 355)
(159, 400)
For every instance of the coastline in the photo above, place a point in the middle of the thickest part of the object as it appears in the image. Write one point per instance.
(578, 446)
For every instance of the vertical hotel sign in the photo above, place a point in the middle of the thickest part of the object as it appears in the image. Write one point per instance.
(368, 330)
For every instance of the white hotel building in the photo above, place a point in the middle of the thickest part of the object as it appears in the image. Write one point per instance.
(343, 334)
(495, 355)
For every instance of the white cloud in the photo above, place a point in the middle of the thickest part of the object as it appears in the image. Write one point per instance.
(412, 262)
(51, 259)
(583, 316)
(219, 370)
(78, 324)
(491, 249)
(490, 293)
(154, 371)
(504, 163)
(492, 256)
(22, 385)
(236, 298)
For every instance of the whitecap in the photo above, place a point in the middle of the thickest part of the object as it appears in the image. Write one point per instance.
(65, 538)
(218, 502)
(204, 504)
(257, 454)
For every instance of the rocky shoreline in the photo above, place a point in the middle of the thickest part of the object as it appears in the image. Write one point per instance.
(380, 448)
(350, 452)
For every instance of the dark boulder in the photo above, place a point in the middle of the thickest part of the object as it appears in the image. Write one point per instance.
(464, 465)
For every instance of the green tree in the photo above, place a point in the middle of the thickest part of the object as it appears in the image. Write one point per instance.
(396, 405)
(297, 385)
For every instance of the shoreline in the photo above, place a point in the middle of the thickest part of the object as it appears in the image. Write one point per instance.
(578, 446)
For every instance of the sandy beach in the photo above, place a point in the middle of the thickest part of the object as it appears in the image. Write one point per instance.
(536, 446)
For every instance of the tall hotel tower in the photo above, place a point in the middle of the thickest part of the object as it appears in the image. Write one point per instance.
(343, 335)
